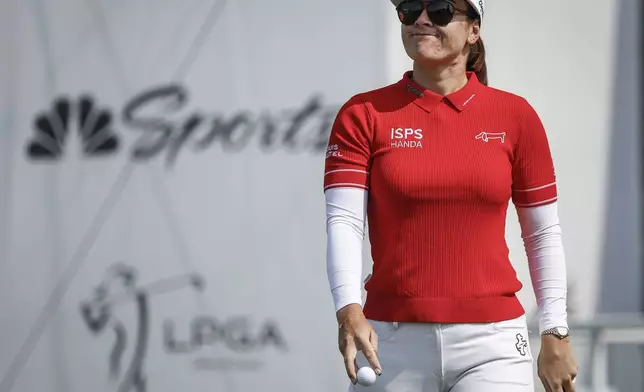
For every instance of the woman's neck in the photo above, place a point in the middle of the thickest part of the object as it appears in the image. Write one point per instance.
(441, 80)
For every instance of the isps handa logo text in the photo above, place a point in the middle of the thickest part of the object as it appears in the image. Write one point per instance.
(406, 138)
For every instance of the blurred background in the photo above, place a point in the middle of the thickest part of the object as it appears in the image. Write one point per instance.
(162, 218)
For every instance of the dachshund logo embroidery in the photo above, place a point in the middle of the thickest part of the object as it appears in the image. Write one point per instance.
(485, 136)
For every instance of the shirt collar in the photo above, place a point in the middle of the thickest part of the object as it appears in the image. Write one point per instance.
(429, 100)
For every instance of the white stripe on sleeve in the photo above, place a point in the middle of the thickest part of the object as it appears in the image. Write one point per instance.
(345, 225)
(543, 244)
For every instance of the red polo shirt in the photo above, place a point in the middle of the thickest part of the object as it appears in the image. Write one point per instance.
(440, 171)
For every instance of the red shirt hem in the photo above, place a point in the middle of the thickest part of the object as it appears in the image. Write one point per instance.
(442, 310)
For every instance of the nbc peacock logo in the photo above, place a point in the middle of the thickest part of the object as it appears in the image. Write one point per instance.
(53, 129)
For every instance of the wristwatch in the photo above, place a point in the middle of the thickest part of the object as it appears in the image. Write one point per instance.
(559, 332)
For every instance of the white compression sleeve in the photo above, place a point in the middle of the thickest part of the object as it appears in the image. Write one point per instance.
(345, 225)
(543, 244)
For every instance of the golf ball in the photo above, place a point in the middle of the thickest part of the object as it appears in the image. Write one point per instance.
(366, 376)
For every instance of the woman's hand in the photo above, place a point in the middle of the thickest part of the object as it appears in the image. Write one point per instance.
(356, 334)
(556, 364)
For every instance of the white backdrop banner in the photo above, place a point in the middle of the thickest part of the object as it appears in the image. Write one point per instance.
(161, 209)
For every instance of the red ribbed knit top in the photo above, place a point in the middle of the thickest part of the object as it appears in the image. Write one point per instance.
(440, 171)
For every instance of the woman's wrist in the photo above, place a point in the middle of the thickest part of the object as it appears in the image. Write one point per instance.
(348, 312)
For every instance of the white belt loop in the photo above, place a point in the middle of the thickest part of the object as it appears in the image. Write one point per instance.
(395, 323)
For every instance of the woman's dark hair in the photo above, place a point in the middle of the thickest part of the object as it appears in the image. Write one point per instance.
(476, 58)
(476, 61)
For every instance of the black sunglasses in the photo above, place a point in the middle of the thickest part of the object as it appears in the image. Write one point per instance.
(440, 12)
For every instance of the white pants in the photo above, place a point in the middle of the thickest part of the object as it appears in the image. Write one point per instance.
(418, 357)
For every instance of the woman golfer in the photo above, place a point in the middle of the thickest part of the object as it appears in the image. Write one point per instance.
(433, 161)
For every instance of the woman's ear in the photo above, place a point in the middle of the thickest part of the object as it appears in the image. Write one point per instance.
(474, 33)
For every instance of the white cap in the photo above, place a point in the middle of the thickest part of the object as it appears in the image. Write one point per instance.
(479, 5)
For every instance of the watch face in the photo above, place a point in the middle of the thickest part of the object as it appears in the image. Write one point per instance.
(562, 331)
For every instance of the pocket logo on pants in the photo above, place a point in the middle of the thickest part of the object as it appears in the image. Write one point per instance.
(522, 345)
